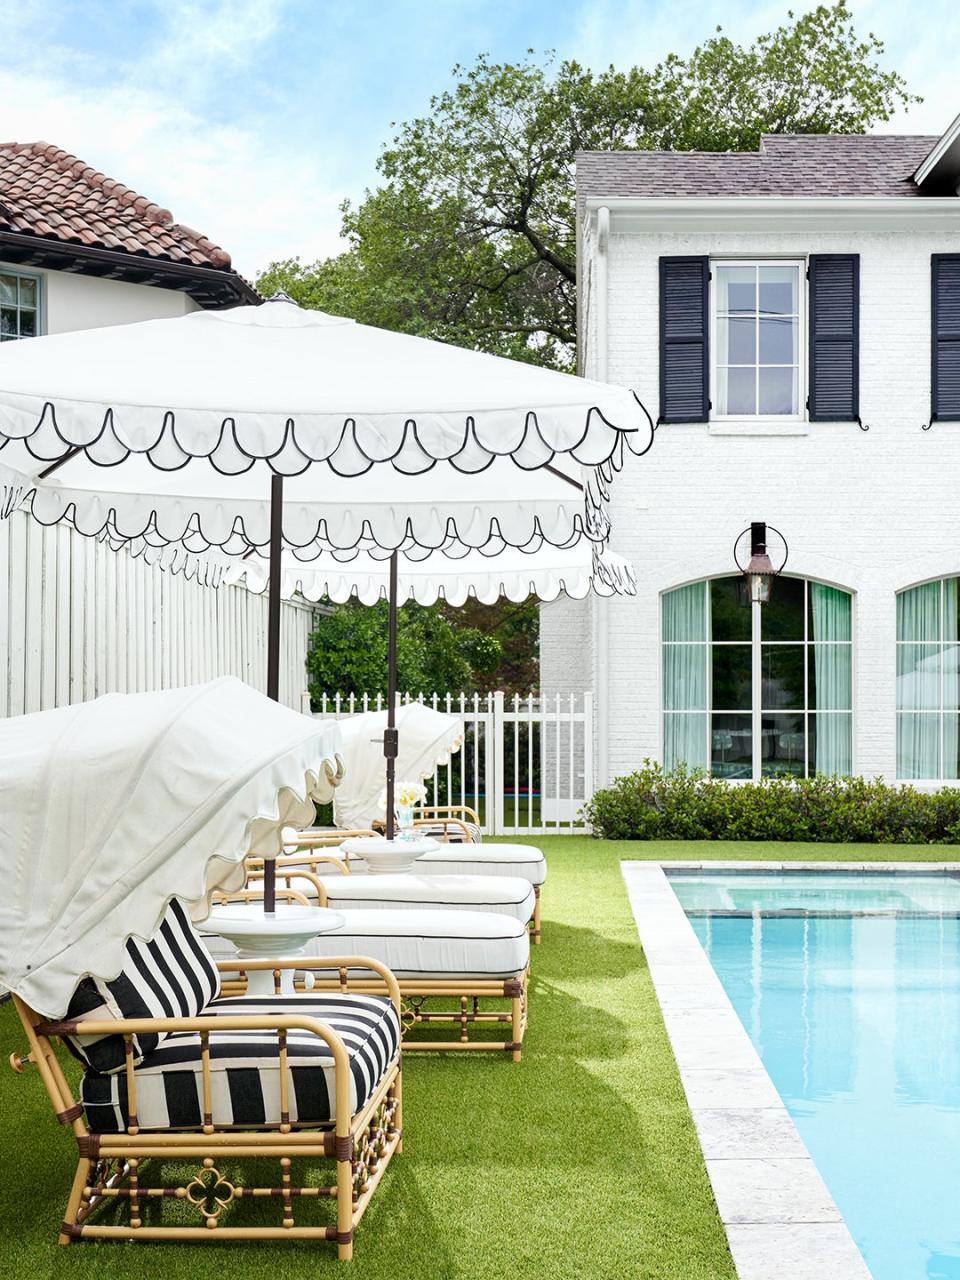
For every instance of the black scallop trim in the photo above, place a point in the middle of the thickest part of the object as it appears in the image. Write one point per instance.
(168, 423)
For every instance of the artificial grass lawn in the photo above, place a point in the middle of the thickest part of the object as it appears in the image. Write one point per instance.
(581, 1161)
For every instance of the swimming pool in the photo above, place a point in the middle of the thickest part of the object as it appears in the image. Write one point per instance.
(849, 987)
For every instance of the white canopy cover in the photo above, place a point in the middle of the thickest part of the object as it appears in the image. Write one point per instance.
(514, 573)
(200, 409)
(427, 739)
(113, 807)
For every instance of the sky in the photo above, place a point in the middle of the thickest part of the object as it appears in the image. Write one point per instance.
(252, 120)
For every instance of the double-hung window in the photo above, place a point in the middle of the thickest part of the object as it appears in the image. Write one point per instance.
(766, 340)
(19, 305)
(757, 318)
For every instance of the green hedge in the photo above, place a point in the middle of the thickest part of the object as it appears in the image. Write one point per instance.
(686, 805)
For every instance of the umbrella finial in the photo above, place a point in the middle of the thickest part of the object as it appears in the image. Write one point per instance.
(281, 296)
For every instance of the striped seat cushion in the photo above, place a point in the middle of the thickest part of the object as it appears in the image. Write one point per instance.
(171, 976)
(245, 1072)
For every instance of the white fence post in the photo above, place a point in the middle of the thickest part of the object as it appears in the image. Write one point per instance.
(588, 778)
(495, 760)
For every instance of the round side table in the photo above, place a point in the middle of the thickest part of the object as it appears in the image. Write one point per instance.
(280, 935)
(385, 857)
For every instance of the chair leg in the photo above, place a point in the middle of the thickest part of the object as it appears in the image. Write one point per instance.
(536, 915)
(516, 1029)
(398, 1114)
(80, 1180)
(344, 1209)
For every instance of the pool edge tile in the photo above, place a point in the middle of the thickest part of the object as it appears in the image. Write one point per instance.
(760, 1234)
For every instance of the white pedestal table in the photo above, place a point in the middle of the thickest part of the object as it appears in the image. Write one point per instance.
(279, 935)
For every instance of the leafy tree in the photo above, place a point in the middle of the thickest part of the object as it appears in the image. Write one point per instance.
(470, 238)
(348, 652)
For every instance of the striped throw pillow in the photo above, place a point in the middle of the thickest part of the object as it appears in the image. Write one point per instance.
(171, 976)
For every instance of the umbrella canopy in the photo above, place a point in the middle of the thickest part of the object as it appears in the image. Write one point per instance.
(427, 740)
(113, 807)
(414, 439)
(170, 429)
(545, 572)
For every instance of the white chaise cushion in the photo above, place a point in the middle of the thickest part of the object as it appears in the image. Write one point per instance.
(523, 860)
(506, 895)
(441, 944)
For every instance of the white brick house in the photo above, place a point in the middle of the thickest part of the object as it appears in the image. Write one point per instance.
(810, 682)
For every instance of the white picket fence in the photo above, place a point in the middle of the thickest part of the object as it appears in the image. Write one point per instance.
(526, 764)
(78, 620)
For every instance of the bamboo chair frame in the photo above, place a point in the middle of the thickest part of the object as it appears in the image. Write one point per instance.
(465, 994)
(108, 1169)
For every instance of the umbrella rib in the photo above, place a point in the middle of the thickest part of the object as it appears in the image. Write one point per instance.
(55, 466)
(555, 471)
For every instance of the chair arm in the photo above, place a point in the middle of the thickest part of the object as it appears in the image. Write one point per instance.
(253, 895)
(288, 875)
(452, 810)
(282, 1022)
(341, 963)
(309, 860)
(456, 824)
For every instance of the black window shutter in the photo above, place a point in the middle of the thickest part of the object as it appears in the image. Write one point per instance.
(834, 394)
(684, 339)
(945, 338)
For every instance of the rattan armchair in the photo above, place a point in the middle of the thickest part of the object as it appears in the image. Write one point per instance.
(128, 1168)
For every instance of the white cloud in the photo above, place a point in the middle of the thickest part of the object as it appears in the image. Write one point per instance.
(150, 122)
(196, 111)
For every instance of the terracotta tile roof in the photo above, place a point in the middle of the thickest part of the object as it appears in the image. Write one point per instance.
(869, 165)
(46, 192)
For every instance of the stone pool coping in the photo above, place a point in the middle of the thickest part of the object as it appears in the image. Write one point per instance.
(780, 1219)
(743, 864)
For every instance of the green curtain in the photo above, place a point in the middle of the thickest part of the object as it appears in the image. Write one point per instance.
(918, 680)
(951, 684)
(830, 610)
(685, 676)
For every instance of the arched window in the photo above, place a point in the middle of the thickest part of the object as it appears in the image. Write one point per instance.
(755, 690)
(928, 690)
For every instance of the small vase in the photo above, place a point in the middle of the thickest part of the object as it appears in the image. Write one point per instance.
(405, 822)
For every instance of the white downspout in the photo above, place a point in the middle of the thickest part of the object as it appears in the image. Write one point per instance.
(603, 244)
(601, 646)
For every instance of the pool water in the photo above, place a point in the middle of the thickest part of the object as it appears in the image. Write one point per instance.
(849, 987)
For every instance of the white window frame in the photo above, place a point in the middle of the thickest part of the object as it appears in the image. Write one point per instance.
(760, 418)
(756, 711)
(11, 269)
(940, 711)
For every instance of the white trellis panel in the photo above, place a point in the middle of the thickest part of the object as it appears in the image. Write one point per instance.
(78, 620)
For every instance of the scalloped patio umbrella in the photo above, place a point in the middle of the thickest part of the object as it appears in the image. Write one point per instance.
(272, 425)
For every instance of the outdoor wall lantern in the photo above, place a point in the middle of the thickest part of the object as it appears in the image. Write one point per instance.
(759, 570)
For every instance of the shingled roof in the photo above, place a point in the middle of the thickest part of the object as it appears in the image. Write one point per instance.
(56, 210)
(870, 165)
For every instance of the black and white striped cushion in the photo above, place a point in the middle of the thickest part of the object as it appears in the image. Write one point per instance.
(171, 976)
(245, 1075)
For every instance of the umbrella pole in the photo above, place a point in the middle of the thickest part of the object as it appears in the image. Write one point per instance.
(390, 737)
(273, 649)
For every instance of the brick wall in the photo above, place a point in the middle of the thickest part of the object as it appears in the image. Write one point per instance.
(871, 511)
